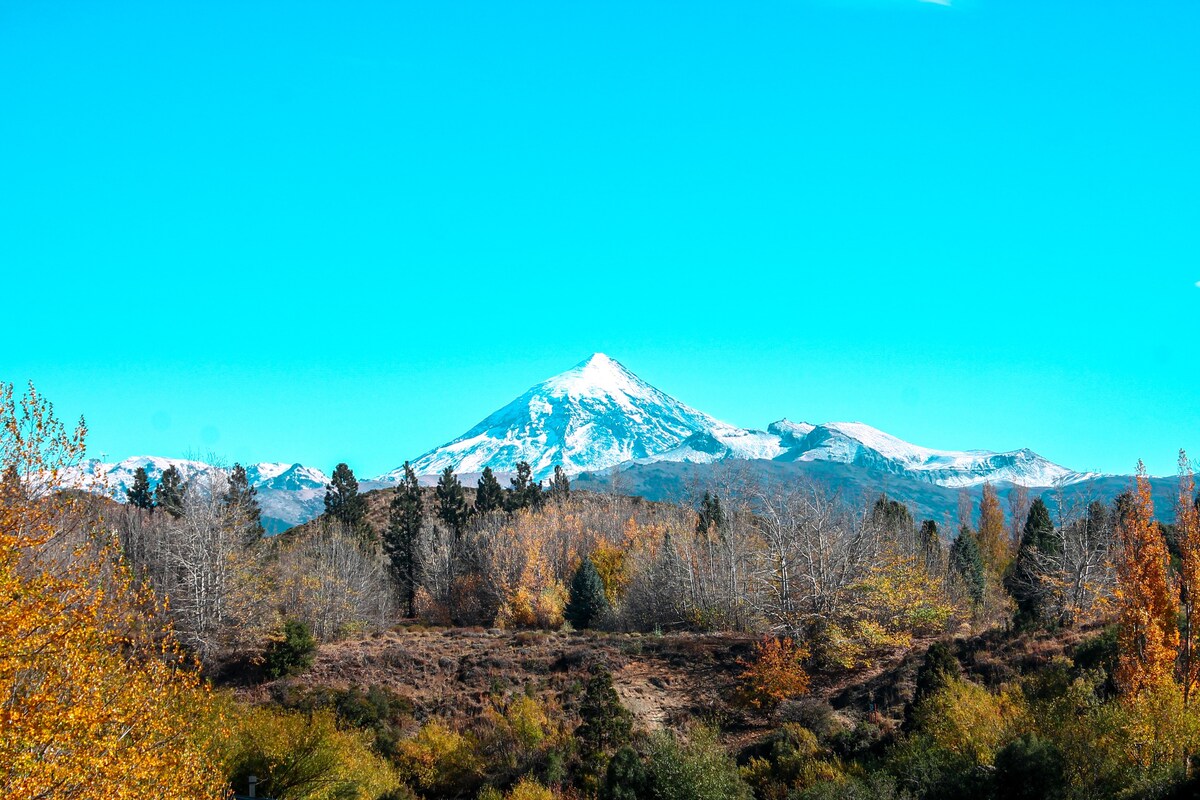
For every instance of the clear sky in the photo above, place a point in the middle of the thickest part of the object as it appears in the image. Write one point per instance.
(300, 231)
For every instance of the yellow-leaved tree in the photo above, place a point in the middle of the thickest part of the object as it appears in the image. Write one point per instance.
(1187, 523)
(95, 699)
(1149, 633)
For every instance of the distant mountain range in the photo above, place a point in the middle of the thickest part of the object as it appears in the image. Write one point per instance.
(609, 428)
(288, 494)
(600, 416)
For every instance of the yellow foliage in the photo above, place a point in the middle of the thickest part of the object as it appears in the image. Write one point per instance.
(525, 789)
(776, 673)
(1158, 728)
(94, 701)
(437, 757)
(298, 755)
(610, 562)
(899, 599)
(529, 789)
(1187, 522)
(994, 544)
(1149, 633)
(967, 719)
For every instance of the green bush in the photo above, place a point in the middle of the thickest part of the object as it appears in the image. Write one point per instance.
(696, 769)
(292, 653)
(1030, 768)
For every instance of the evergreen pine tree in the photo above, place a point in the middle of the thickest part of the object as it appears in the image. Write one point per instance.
(452, 508)
(344, 503)
(402, 537)
(937, 670)
(605, 726)
(966, 561)
(139, 494)
(1026, 583)
(711, 517)
(523, 492)
(241, 495)
(626, 777)
(560, 485)
(931, 544)
(168, 495)
(892, 516)
(587, 601)
(489, 496)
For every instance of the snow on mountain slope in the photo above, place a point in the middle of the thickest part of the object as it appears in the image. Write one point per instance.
(288, 494)
(856, 443)
(598, 416)
(595, 415)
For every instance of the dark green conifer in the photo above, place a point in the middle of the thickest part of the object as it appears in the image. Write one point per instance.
(522, 491)
(966, 561)
(402, 537)
(892, 516)
(489, 495)
(587, 601)
(711, 516)
(1026, 583)
(626, 777)
(168, 495)
(344, 503)
(605, 726)
(452, 508)
(560, 486)
(931, 542)
(139, 494)
(244, 497)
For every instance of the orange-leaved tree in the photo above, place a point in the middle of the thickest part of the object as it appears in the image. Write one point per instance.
(95, 700)
(1187, 524)
(1149, 633)
(775, 674)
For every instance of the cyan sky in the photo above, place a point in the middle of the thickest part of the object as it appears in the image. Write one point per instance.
(348, 231)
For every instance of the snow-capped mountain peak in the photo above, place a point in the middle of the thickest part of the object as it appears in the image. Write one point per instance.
(595, 415)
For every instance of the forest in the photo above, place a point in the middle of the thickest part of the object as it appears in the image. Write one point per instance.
(831, 646)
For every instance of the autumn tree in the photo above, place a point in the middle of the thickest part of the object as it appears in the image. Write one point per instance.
(1147, 606)
(993, 542)
(401, 539)
(168, 495)
(489, 495)
(775, 673)
(139, 494)
(95, 699)
(1187, 524)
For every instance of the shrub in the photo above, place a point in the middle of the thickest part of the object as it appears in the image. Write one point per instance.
(292, 652)
(1030, 768)
(696, 769)
(776, 673)
(438, 760)
(303, 756)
